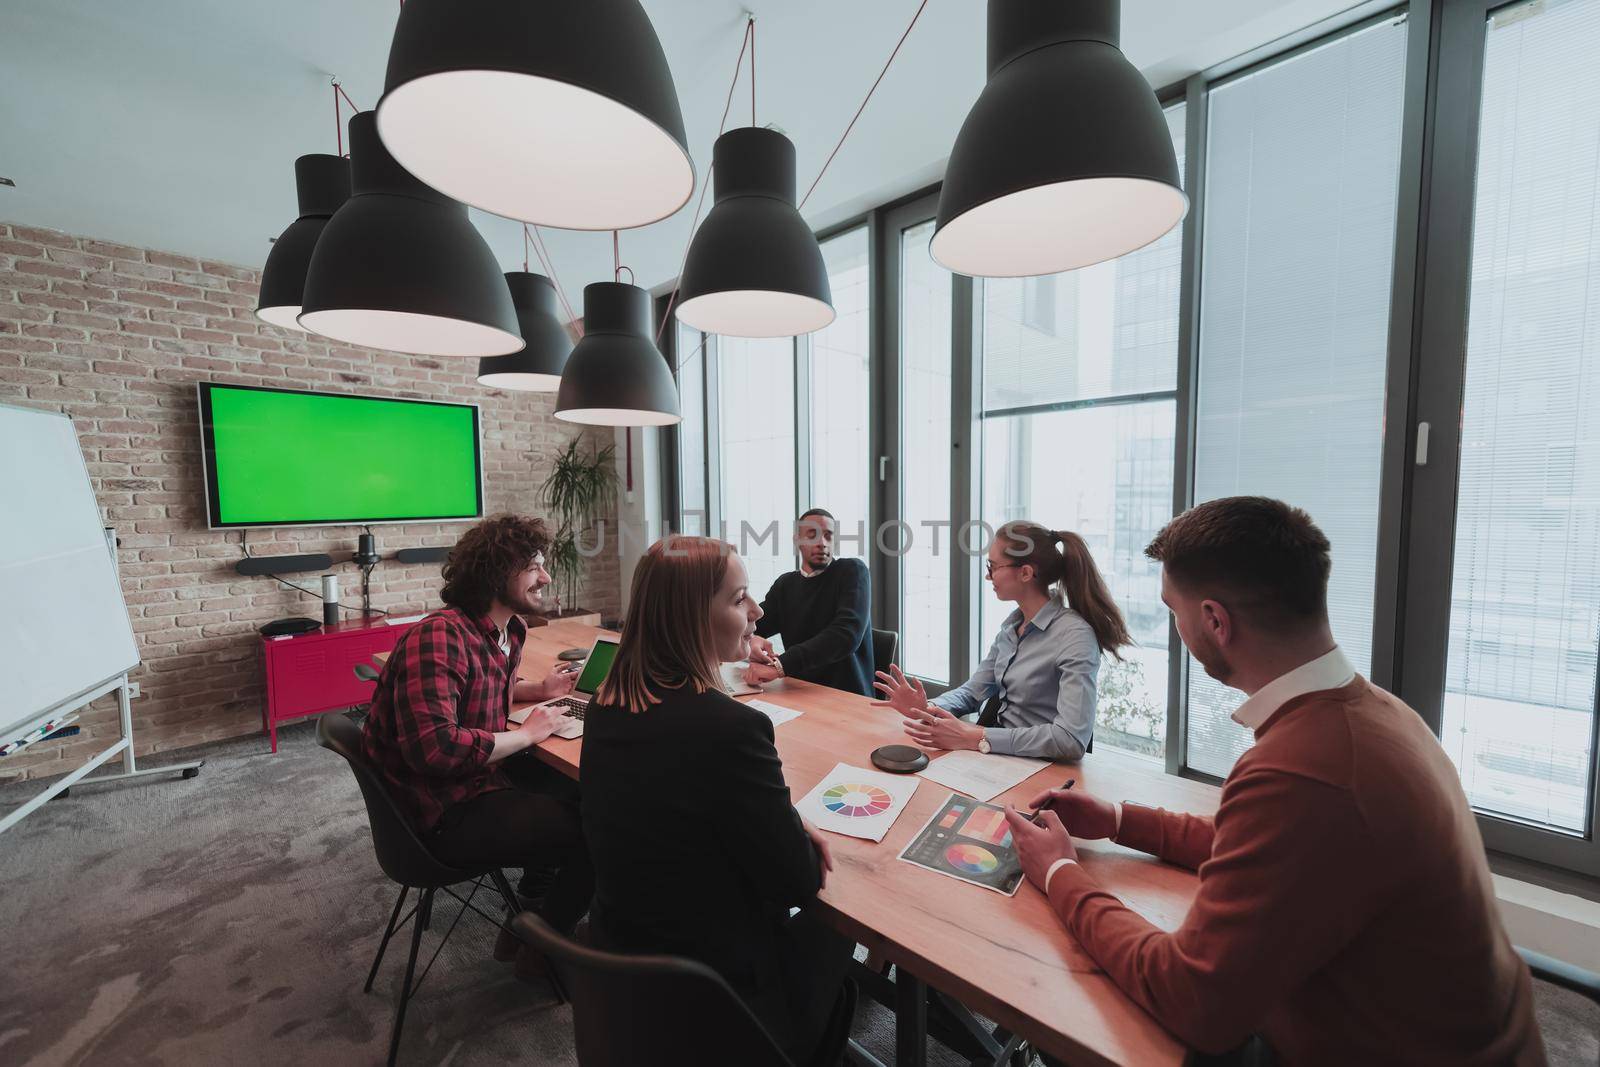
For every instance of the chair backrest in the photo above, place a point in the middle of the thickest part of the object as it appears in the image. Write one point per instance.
(885, 646)
(366, 672)
(644, 1011)
(401, 854)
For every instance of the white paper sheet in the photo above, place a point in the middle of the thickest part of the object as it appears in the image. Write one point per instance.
(776, 712)
(857, 802)
(733, 680)
(403, 620)
(979, 776)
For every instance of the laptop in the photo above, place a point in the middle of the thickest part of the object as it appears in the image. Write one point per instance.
(576, 703)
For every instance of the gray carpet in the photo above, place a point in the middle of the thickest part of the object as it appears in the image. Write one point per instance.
(231, 918)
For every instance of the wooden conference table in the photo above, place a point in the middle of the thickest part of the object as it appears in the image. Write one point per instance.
(1009, 959)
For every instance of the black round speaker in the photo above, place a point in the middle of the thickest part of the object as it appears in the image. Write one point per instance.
(899, 759)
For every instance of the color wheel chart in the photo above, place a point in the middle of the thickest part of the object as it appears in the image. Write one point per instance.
(974, 859)
(969, 840)
(856, 801)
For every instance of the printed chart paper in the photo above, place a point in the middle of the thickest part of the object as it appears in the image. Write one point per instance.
(971, 841)
(981, 776)
(776, 712)
(857, 802)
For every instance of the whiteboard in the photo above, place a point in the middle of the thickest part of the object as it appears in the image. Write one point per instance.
(63, 625)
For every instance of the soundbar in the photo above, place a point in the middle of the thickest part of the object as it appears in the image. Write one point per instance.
(422, 555)
(259, 565)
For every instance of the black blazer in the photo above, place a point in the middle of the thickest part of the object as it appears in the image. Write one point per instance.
(696, 845)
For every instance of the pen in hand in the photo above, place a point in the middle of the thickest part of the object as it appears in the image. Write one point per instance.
(1034, 818)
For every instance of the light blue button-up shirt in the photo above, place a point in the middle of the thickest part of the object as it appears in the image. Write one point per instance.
(1046, 681)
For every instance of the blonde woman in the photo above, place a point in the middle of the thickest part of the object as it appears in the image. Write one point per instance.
(698, 850)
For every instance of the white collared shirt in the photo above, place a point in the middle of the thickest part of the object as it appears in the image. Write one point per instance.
(1328, 671)
(1331, 670)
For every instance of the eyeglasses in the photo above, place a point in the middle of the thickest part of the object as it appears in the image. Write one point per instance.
(990, 568)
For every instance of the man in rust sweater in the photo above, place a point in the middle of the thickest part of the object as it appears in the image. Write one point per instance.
(1345, 912)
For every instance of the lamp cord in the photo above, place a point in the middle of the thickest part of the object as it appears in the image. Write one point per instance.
(863, 106)
(738, 64)
(338, 118)
(549, 264)
(617, 266)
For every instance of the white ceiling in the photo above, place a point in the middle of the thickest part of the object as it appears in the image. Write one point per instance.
(174, 124)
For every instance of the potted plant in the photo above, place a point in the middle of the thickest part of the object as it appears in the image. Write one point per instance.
(577, 493)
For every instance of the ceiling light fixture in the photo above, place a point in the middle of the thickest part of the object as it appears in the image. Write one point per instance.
(400, 266)
(537, 368)
(1065, 160)
(616, 375)
(754, 268)
(564, 114)
(322, 184)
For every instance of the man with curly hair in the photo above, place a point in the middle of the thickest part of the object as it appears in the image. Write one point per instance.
(438, 734)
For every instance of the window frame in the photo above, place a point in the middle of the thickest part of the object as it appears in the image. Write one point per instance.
(1425, 379)
(1437, 350)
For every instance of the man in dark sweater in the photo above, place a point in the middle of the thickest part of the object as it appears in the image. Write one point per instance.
(824, 613)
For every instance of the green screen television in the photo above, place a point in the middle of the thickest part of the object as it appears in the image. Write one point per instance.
(283, 457)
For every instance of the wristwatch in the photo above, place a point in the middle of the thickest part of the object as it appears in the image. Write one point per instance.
(983, 745)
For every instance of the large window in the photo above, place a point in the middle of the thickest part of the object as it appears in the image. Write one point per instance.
(1353, 319)
(1078, 411)
(693, 502)
(841, 438)
(755, 410)
(739, 471)
(1525, 600)
(1302, 173)
(925, 497)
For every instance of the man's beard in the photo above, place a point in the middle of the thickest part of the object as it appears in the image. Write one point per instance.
(519, 600)
(1210, 657)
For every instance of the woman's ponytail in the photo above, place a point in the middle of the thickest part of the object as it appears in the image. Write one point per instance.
(1085, 591)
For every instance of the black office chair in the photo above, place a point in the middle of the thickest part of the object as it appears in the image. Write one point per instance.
(885, 646)
(364, 672)
(659, 1011)
(406, 861)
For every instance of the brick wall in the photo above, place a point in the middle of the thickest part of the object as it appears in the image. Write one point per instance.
(116, 337)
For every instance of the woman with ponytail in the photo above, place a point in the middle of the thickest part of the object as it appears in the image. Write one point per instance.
(1042, 666)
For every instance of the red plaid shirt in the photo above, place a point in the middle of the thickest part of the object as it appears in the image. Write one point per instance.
(442, 696)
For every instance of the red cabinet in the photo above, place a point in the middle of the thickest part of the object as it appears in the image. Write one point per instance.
(314, 672)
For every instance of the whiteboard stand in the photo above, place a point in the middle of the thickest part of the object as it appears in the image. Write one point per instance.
(63, 715)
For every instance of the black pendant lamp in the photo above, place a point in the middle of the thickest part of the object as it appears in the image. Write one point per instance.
(322, 184)
(616, 375)
(562, 113)
(537, 368)
(400, 266)
(754, 268)
(1065, 160)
